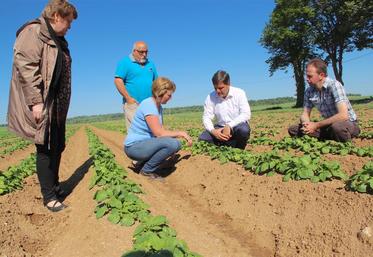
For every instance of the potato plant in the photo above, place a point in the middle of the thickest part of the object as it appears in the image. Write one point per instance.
(363, 180)
(154, 235)
(12, 178)
(117, 195)
(117, 198)
(18, 145)
(366, 135)
(269, 163)
(311, 145)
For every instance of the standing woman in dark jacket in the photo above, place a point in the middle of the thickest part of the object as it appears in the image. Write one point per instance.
(40, 92)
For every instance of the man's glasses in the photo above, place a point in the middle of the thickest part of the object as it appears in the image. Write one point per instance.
(142, 51)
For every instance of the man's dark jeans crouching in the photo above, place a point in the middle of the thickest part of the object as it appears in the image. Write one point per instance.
(341, 131)
(240, 135)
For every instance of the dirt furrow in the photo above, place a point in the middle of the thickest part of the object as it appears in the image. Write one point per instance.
(222, 210)
(16, 157)
(29, 229)
(208, 232)
(81, 234)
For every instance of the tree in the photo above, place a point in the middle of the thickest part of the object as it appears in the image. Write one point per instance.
(288, 39)
(341, 26)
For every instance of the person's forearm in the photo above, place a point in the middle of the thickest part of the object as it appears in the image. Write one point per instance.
(335, 118)
(304, 118)
(167, 133)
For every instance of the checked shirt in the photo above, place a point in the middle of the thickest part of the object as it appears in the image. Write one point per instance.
(326, 100)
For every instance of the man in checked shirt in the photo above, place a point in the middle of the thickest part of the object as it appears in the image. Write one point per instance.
(329, 97)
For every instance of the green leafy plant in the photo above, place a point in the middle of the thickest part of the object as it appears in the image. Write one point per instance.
(366, 135)
(18, 145)
(154, 234)
(271, 162)
(117, 199)
(311, 145)
(12, 178)
(363, 180)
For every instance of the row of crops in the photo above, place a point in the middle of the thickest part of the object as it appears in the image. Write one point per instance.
(117, 199)
(311, 165)
(291, 167)
(10, 143)
(313, 146)
(12, 178)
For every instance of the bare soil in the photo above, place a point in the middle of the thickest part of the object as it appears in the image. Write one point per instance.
(15, 157)
(219, 210)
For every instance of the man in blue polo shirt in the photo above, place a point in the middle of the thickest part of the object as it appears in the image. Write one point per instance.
(329, 97)
(133, 78)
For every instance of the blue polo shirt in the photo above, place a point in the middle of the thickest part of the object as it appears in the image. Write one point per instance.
(137, 78)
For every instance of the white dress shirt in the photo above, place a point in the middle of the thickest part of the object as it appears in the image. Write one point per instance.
(232, 110)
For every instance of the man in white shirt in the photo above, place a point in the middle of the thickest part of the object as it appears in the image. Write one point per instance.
(231, 109)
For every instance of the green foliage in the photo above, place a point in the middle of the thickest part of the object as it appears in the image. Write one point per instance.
(17, 145)
(366, 125)
(363, 180)
(342, 26)
(366, 135)
(288, 40)
(117, 198)
(5, 134)
(271, 162)
(154, 234)
(10, 141)
(272, 101)
(302, 29)
(12, 178)
(262, 134)
(117, 125)
(314, 147)
(13, 143)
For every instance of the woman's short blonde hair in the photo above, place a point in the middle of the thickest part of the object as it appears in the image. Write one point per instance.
(61, 7)
(161, 85)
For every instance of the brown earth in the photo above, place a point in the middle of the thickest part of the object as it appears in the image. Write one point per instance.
(219, 210)
(15, 157)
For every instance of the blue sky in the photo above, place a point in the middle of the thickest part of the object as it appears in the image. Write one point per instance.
(188, 41)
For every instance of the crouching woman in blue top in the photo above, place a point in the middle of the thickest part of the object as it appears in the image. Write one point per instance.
(147, 141)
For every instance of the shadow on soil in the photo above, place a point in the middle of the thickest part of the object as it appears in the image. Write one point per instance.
(69, 184)
(166, 168)
(170, 165)
(161, 253)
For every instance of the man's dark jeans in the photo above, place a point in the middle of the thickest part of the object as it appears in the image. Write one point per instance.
(241, 134)
(341, 131)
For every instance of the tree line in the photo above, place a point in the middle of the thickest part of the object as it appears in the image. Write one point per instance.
(299, 30)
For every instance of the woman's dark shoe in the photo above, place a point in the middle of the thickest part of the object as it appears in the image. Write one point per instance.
(151, 175)
(137, 165)
(54, 205)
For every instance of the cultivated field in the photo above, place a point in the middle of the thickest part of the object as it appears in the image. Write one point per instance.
(280, 197)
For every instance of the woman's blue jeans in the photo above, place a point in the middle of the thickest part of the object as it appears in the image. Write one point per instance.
(152, 151)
